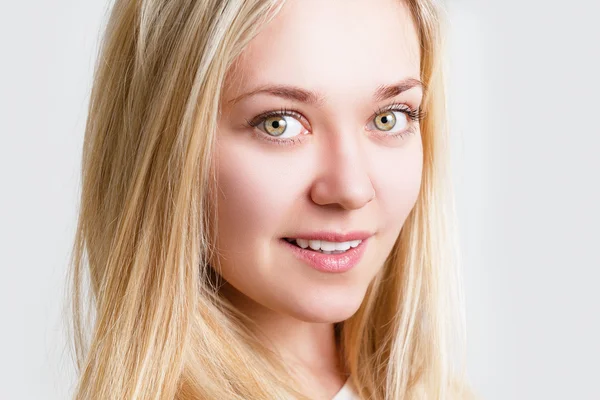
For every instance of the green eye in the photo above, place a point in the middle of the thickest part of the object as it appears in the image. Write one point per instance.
(385, 121)
(275, 125)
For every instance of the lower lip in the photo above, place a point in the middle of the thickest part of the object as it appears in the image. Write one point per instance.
(341, 262)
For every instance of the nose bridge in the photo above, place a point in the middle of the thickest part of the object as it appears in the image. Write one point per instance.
(344, 172)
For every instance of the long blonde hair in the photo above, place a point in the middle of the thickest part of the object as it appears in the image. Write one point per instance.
(148, 320)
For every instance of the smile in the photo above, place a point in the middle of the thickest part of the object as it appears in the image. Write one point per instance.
(324, 246)
(316, 253)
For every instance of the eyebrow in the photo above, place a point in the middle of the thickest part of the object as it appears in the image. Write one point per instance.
(298, 94)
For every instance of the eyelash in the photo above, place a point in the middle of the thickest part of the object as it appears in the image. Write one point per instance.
(415, 116)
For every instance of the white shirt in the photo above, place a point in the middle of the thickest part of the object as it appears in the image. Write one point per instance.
(346, 393)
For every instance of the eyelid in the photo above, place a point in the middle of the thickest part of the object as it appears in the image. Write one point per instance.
(256, 121)
(392, 106)
(415, 115)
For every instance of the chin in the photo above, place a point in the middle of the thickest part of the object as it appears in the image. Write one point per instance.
(327, 310)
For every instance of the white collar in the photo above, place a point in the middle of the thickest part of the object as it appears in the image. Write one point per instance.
(346, 393)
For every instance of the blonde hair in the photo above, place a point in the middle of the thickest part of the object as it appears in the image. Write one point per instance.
(148, 320)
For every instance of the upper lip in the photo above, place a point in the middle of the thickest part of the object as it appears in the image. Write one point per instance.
(332, 236)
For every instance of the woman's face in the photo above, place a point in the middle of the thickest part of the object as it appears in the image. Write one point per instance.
(337, 159)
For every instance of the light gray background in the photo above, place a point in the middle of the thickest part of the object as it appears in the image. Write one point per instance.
(524, 91)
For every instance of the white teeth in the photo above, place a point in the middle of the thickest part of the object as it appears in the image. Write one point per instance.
(324, 245)
(302, 243)
(314, 244)
(328, 246)
(343, 246)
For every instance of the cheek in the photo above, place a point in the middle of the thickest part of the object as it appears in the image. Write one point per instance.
(253, 198)
(398, 180)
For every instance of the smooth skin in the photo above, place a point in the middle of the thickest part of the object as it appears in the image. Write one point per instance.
(338, 171)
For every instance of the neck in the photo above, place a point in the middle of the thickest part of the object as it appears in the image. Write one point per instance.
(305, 346)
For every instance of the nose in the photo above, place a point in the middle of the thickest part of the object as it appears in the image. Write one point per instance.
(344, 177)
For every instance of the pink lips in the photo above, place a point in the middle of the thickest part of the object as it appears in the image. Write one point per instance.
(333, 236)
(330, 262)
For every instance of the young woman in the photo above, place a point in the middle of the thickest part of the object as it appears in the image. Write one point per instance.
(264, 211)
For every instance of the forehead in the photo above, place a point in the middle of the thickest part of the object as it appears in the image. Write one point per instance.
(332, 46)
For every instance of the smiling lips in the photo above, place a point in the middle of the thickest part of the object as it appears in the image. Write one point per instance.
(329, 252)
(331, 236)
(325, 247)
